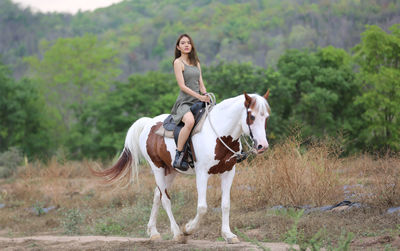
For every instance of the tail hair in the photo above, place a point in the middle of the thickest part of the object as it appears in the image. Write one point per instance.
(118, 170)
(129, 158)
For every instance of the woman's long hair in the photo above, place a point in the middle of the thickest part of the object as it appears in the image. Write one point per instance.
(192, 55)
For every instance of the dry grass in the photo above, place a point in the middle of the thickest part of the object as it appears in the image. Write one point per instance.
(376, 181)
(288, 176)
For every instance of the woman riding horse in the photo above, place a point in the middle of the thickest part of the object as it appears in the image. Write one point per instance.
(188, 75)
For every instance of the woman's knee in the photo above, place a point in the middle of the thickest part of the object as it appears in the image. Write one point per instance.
(188, 119)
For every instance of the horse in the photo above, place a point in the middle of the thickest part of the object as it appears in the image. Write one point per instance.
(215, 147)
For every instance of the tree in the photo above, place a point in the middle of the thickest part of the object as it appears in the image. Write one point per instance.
(228, 80)
(23, 121)
(315, 90)
(72, 71)
(378, 55)
(102, 128)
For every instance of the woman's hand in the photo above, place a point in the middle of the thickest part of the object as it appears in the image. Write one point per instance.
(205, 98)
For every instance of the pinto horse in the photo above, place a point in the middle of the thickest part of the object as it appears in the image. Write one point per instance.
(226, 122)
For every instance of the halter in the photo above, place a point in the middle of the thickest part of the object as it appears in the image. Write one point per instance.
(239, 155)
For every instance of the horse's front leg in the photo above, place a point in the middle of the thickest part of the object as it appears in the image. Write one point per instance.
(201, 183)
(226, 183)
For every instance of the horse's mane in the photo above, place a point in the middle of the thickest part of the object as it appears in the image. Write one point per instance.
(261, 103)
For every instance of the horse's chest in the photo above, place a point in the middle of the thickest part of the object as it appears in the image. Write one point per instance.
(224, 156)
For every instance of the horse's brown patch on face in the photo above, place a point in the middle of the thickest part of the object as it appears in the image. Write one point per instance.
(157, 150)
(222, 154)
(250, 104)
(250, 118)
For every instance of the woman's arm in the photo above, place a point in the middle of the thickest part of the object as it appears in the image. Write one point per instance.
(202, 87)
(178, 68)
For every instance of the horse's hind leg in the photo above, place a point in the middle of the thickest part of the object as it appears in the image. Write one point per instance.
(161, 194)
(151, 226)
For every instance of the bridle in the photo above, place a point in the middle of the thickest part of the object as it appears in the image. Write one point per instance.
(239, 155)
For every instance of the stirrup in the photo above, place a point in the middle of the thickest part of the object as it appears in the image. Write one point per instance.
(179, 162)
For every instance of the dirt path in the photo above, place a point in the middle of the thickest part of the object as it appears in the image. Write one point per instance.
(123, 243)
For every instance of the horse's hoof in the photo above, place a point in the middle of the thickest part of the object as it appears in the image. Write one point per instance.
(181, 239)
(185, 232)
(156, 237)
(233, 240)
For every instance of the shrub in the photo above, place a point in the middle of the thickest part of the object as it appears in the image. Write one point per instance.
(9, 161)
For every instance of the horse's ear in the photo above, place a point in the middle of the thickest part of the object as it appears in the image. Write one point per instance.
(266, 95)
(247, 100)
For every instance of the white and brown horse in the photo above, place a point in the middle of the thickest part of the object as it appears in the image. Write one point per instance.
(227, 121)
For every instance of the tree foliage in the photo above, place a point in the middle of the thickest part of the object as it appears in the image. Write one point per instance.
(144, 32)
(102, 127)
(316, 91)
(71, 72)
(378, 55)
(23, 119)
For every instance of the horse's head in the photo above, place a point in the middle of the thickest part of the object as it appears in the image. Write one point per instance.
(254, 120)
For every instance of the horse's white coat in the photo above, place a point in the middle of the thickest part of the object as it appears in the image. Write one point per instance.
(228, 118)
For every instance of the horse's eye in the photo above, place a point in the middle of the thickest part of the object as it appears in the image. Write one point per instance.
(252, 117)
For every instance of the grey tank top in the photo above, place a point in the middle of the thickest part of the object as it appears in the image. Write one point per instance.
(191, 76)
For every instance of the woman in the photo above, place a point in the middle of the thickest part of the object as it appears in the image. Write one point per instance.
(188, 75)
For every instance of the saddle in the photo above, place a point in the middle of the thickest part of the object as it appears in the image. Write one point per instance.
(171, 130)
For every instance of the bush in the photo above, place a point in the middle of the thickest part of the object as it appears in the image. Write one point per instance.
(72, 219)
(9, 161)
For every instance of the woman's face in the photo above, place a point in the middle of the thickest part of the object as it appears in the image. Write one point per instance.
(184, 45)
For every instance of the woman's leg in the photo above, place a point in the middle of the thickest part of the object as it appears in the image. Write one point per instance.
(179, 161)
(188, 119)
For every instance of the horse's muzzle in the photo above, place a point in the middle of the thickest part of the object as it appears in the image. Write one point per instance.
(261, 149)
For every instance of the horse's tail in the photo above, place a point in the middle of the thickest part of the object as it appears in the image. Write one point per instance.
(128, 161)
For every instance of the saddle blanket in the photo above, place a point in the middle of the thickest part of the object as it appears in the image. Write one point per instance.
(197, 128)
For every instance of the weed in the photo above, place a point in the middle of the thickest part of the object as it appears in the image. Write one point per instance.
(388, 247)
(292, 235)
(38, 208)
(167, 236)
(254, 241)
(109, 227)
(72, 219)
(344, 241)
(316, 242)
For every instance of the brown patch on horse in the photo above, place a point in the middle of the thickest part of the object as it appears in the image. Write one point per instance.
(157, 150)
(250, 104)
(167, 194)
(118, 170)
(160, 192)
(222, 154)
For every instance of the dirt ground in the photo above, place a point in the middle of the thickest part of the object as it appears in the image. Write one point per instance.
(124, 243)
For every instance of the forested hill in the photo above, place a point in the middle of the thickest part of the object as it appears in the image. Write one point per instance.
(143, 32)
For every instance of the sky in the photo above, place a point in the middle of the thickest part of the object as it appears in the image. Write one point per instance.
(69, 6)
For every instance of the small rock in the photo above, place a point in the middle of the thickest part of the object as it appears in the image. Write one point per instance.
(393, 210)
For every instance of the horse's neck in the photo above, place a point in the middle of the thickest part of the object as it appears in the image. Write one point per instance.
(225, 117)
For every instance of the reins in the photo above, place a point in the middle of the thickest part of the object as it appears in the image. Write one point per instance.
(239, 155)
